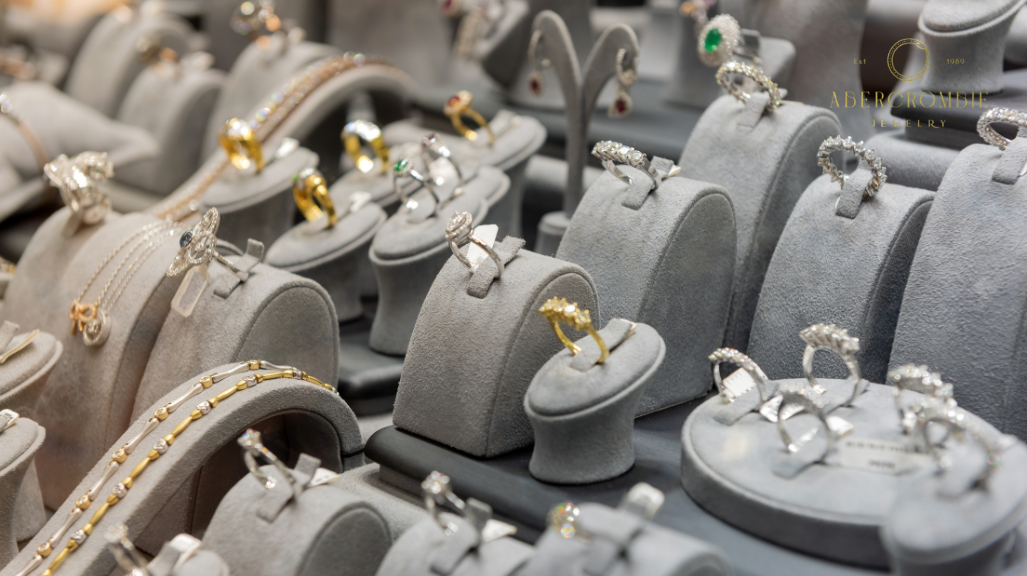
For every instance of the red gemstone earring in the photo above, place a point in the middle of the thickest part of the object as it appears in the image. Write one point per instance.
(621, 105)
(535, 80)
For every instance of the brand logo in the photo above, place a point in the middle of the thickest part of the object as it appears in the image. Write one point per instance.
(905, 42)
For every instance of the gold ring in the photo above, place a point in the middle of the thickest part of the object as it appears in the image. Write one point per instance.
(310, 190)
(458, 106)
(239, 140)
(358, 132)
(557, 310)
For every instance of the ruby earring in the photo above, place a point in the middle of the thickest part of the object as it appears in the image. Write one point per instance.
(626, 76)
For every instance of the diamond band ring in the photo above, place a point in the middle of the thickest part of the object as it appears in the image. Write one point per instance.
(310, 191)
(960, 424)
(917, 379)
(866, 156)
(77, 179)
(557, 310)
(460, 231)
(806, 400)
(1004, 115)
(358, 133)
(732, 356)
(459, 106)
(725, 72)
(239, 140)
(837, 340)
(254, 448)
(198, 246)
(610, 153)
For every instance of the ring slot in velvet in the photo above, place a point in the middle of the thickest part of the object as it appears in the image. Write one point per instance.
(826, 510)
(173, 102)
(201, 563)
(471, 359)
(107, 63)
(323, 530)
(256, 74)
(21, 507)
(169, 494)
(24, 375)
(668, 264)
(382, 187)
(331, 256)
(779, 151)
(583, 419)
(426, 550)
(650, 551)
(258, 206)
(834, 269)
(964, 303)
(406, 256)
(86, 402)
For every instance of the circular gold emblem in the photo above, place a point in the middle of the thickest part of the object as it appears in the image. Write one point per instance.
(891, 59)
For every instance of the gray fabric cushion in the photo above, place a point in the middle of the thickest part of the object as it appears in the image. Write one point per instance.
(25, 373)
(911, 162)
(420, 548)
(20, 504)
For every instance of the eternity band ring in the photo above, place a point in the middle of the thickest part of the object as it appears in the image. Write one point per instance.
(437, 492)
(609, 153)
(1003, 115)
(253, 448)
(724, 78)
(866, 157)
(432, 149)
(198, 246)
(958, 422)
(457, 108)
(837, 340)
(557, 310)
(310, 191)
(354, 137)
(732, 356)
(917, 379)
(460, 231)
(239, 140)
(808, 401)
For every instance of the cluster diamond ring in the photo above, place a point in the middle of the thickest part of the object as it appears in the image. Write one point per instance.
(198, 246)
(460, 231)
(732, 356)
(610, 153)
(77, 179)
(917, 379)
(719, 40)
(558, 310)
(866, 156)
(832, 338)
(1003, 115)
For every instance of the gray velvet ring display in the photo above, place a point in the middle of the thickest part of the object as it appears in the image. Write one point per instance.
(866, 156)
(837, 340)
(995, 115)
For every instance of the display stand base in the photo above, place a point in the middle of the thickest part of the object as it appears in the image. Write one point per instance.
(368, 380)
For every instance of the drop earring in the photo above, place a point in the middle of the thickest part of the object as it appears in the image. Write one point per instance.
(535, 81)
(621, 104)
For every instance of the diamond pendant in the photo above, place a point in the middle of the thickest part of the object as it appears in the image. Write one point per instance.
(621, 105)
(536, 83)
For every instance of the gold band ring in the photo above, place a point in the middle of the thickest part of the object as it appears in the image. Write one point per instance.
(557, 310)
(358, 132)
(240, 142)
(310, 190)
(458, 106)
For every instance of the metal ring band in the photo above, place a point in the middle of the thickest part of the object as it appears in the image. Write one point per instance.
(404, 169)
(310, 191)
(459, 106)
(359, 132)
(837, 340)
(432, 149)
(719, 40)
(198, 246)
(809, 401)
(610, 152)
(732, 356)
(239, 140)
(125, 553)
(724, 79)
(557, 310)
(459, 231)
(253, 448)
(436, 492)
(917, 379)
(1004, 115)
(958, 422)
(866, 155)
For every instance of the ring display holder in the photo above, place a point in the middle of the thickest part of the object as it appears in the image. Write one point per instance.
(178, 491)
(21, 506)
(779, 146)
(842, 258)
(644, 249)
(24, 375)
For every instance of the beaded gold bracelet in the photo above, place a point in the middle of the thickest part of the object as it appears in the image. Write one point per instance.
(121, 454)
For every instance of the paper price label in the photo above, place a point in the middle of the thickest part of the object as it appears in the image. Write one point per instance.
(738, 383)
(881, 456)
(486, 233)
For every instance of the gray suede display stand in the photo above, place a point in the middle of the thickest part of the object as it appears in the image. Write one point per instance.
(664, 257)
(202, 563)
(833, 266)
(107, 63)
(322, 530)
(658, 40)
(410, 249)
(178, 491)
(174, 103)
(258, 206)
(974, 32)
(917, 162)
(826, 35)
(425, 550)
(24, 375)
(21, 507)
(618, 542)
(583, 413)
(779, 150)
(332, 257)
(580, 85)
(63, 126)
(826, 509)
(963, 304)
(467, 391)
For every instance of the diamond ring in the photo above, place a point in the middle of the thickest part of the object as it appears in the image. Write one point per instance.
(253, 448)
(719, 39)
(404, 169)
(917, 379)
(359, 132)
(77, 179)
(310, 191)
(609, 153)
(960, 424)
(7, 419)
(432, 149)
(198, 246)
(725, 72)
(805, 400)
(837, 340)
(436, 493)
(459, 106)
(732, 356)
(240, 142)
(558, 310)
(459, 231)
(867, 157)
(124, 551)
(1004, 115)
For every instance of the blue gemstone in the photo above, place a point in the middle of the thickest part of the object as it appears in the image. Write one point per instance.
(185, 239)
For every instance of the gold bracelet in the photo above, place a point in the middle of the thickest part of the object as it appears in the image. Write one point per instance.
(310, 190)
(163, 445)
(557, 310)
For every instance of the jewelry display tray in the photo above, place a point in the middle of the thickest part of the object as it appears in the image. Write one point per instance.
(505, 483)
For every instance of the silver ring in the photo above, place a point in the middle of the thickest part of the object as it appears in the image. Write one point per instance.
(252, 448)
(198, 246)
(719, 40)
(404, 169)
(77, 179)
(459, 231)
(7, 419)
(124, 552)
(724, 79)
(958, 422)
(809, 401)
(837, 340)
(1004, 115)
(433, 149)
(732, 356)
(436, 493)
(610, 152)
(866, 156)
(917, 379)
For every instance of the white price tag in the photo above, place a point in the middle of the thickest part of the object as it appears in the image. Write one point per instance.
(738, 383)
(882, 456)
(190, 290)
(486, 233)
